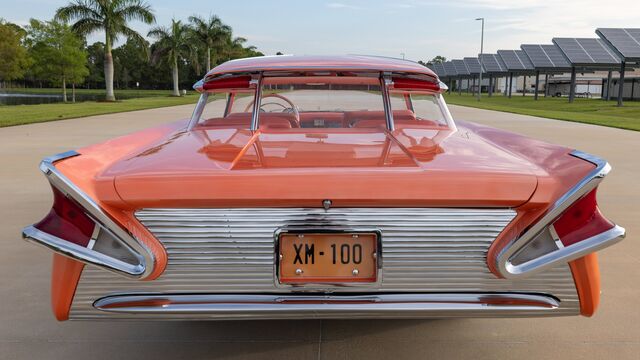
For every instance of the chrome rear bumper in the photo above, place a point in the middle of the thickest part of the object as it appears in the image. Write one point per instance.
(255, 307)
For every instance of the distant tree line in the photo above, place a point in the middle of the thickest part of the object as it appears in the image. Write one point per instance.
(55, 53)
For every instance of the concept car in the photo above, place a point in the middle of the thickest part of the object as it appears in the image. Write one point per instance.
(323, 187)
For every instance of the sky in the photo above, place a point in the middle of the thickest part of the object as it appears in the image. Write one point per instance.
(419, 29)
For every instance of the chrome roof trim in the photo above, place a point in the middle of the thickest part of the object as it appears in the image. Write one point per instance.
(85, 255)
(571, 252)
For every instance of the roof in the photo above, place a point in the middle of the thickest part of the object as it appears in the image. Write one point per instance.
(461, 67)
(309, 63)
(493, 64)
(516, 60)
(626, 42)
(449, 69)
(473, 64)
(591, 53)
(547, 57)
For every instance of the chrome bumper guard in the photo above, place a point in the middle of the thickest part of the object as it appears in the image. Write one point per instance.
(227, 307)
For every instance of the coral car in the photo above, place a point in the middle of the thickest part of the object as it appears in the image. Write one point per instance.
(323, 187)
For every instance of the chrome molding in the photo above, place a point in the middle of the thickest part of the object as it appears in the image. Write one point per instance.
(232, 251)
(257, 102)
(226, 307)
(197, 111)
(86, 255)
(385, 83)
(567, 253)
(80, 253)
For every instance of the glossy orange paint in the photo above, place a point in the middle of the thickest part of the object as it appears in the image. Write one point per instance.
(555, 169)
(84, 171)
(586, 274)
(65, 274)
(301, 167)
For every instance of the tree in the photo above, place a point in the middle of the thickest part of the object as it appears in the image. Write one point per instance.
(129, 60)
(210, 32)
(437, 60)
(58, 53)
(172, 45)
(13, 55)
(112, 17)
(95, 64)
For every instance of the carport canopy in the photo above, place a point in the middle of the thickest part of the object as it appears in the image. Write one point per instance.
(546, 58)
(586, 54)
(625, 42)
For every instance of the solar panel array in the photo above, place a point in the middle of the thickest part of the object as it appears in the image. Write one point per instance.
(492, 63)
(625, 41)
(473, 64)
(438, 69)
(461, 68)
(449, 68)
(546, 57)
(587, 52)
(516, 60)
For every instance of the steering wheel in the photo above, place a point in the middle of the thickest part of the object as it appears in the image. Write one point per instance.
(291, 109)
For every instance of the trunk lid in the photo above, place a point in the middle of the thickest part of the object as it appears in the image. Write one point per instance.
(302, 167)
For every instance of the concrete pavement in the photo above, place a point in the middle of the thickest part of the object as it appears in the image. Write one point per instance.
(29, 331)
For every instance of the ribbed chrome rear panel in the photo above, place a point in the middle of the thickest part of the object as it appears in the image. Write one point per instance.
(232, 251)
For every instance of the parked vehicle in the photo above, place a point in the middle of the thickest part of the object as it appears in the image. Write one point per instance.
(323, 187)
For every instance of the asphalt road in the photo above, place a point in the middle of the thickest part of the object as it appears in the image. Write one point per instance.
(29, 331)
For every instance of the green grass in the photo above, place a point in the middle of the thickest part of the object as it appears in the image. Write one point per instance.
(58, 91)
(590, 111)
(27, 114)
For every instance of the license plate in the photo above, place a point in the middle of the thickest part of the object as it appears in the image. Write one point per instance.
(327, 258)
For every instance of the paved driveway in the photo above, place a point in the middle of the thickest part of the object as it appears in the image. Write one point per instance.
(29, 331)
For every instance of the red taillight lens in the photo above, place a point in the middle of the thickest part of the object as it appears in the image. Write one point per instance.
(236, 82)
(581, 221)
(67, 221)
(414, 84)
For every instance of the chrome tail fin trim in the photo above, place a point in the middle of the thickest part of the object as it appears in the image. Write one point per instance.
(83, 254)
(568, 253)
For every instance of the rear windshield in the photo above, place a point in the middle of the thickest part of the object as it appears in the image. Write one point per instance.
(323, 102)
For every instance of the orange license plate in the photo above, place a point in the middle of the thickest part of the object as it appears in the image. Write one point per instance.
(327, 257)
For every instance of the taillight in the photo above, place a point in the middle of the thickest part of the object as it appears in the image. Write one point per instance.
(572, 228)
(414, 84)
(581, 221)
(67, 220)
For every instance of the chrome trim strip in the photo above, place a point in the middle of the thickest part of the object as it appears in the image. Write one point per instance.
(327, 306)
(571, 252)
(197, 111)
(567, 253)
(257, 102)
(385, 83)
(80, 253)
(321, 286)
(65, 186)
(447, 115)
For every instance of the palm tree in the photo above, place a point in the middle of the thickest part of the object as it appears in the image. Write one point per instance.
(210, 32)
(173, 44)
(110, 16)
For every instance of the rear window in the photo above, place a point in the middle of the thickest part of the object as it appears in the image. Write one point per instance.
(420, 108)
(324, 102)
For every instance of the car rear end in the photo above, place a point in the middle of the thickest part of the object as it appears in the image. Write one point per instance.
(328, 212)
